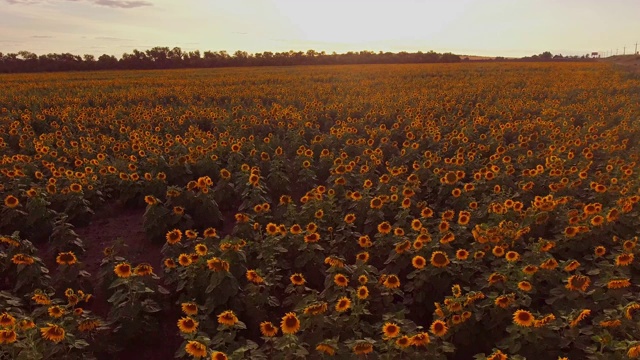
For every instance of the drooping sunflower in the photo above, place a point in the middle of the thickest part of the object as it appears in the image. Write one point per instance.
(403, 342)
(523, 318)
(53, 333)
(227, 318)
(525, 286)
(187, 325)
(196, 349)
(218, 355)
(578, 283)
(316, 309)
(362, 348)
(189, 308)
(6, 320)
(143, 269)
(624, 259)
(8, 336)
(384, 228)
(290, 323)
(618, 283)
(392, 282)
(326, 349)
(420, 339)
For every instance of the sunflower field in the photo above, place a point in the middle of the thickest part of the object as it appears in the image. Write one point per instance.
(433, 211)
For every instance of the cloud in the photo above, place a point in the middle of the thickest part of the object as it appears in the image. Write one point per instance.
(111, 38)
(122, 4)
(26, 2)
(42, 37)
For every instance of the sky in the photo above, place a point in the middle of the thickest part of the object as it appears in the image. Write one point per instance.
(511, 28)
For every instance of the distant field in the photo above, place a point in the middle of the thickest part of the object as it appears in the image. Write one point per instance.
(382, 212)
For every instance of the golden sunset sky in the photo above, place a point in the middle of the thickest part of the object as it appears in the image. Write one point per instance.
(487, 27)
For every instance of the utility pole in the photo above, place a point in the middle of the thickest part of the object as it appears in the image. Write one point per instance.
(624, 50)
(636, 52)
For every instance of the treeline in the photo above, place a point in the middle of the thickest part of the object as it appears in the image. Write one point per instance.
(175, 58)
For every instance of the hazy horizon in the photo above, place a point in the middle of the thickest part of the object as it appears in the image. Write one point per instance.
(466, 27)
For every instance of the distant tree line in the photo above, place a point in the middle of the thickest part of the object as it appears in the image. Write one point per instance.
(175, 58)
(548, 56)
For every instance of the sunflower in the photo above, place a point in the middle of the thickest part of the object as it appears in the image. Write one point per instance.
(316, 309)
(66, 258)
(384, 228)
(497, 355)
(344, 303)
(254, 277)
(498, 251)
(390, 330)
(581, 316)
(53, 333)
(312, 238)
(512, 256)
(363, 256)
(418, 262)
(341, 280)
(504, 301)
(438, 328)
(439, 259)
(196, 349)
(169, 263)
(189, 308)
(362, 348)
(624, 259)
(187, 325)
(185, 260)
(11, 201)
(55, 311)
(22, 259)
(362, 292)
(618, 283)
(297, 279)
(290, 323)
(633, 352)
(525, 286)
(403, 342)
(392, 282)
(218, 355)
(523, 318)
(6, 320)
(227, 318)
(143, 269)
(376, 203)
(295, 229)
(174, 236)
(8, 337)
(420, 339)
(462, 254)
(326, 349)
(122, 270)
(268, 329)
